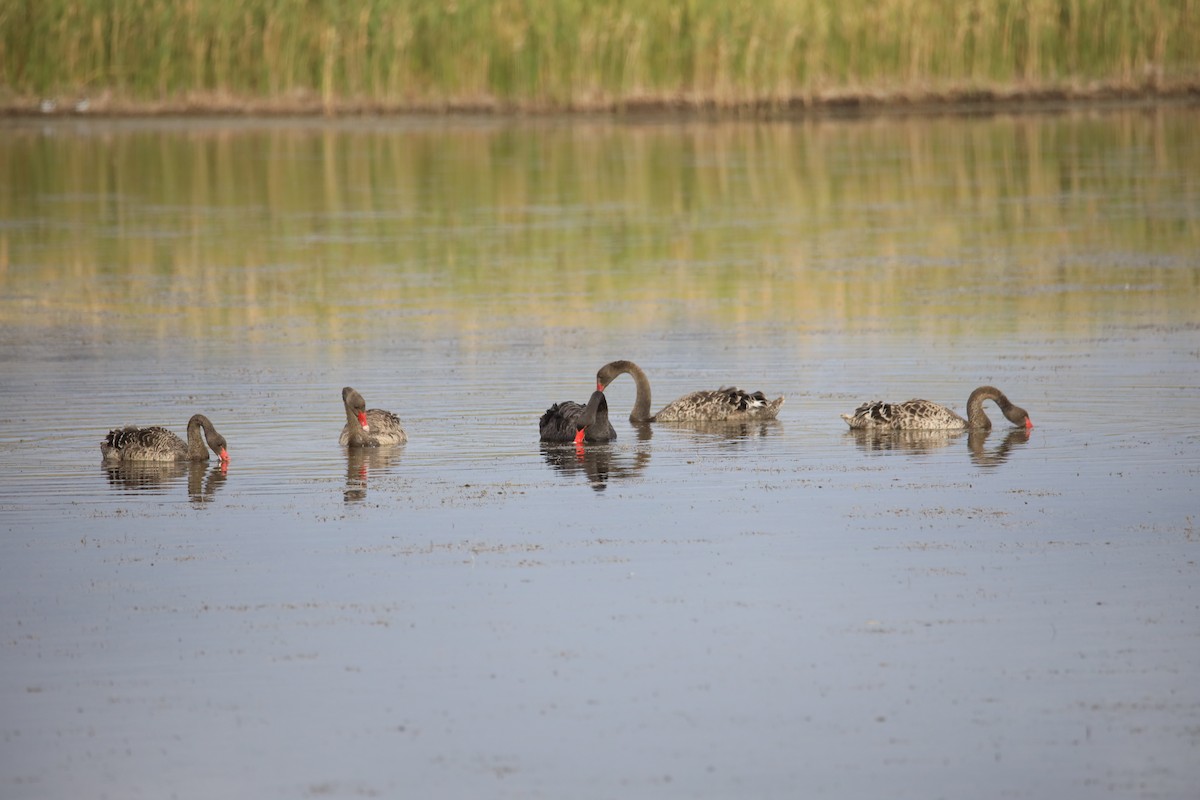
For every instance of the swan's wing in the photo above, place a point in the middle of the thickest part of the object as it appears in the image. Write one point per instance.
(726, 403)
(927, 415)
(558, 423)
(152, 438)
(386, 427)
(152, 442)
(915, 414)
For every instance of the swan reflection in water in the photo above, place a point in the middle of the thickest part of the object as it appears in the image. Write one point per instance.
(596, 462)
(926, 441)
(361, 462)
(998, 454)
(203, 479)
(726, 434)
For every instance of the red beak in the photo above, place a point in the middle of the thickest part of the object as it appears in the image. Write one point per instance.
(599, 386)
(1028, 424)
(362, 420)
(579, 435)
(224, 455)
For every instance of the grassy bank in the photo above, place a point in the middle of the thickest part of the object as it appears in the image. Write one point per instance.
(583, 54)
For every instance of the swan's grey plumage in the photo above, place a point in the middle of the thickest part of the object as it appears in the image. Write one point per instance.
(919, 414)
(155, 443)
(369, 428)
(713, 405)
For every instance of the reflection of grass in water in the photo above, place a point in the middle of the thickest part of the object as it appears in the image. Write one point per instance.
(333, 229)
(582, 52)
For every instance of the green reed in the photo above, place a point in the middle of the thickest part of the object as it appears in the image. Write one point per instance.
(584, 53)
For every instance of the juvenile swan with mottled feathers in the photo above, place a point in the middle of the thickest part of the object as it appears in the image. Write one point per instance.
(368, 428)
(570, 422)
(159, 444)
(925, 415)
(727, 404)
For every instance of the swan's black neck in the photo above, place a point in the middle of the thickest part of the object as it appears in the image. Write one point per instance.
(196, 448)
(976, 418)
(595, 413)
(355, 405)
(641, 404)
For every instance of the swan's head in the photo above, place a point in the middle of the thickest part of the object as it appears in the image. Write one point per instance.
(609, 372)
(1018, 416)
(356, 406)
(220, 447)
(1013, 413)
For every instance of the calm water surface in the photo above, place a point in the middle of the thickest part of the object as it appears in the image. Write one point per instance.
(775, 610)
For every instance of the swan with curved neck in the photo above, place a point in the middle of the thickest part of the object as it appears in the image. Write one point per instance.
(570, 422)
(368, 428)
(132, 443)
(925, 415)
(716, 405)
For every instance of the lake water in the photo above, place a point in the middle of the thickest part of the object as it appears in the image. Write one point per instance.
(774, 610)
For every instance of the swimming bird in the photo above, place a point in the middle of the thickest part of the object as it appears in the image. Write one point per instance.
(368, 428)
(925, 415)
(714, 405)
(570, 422)
(159, 444)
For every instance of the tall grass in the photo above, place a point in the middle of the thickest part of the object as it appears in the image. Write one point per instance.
(584, 53)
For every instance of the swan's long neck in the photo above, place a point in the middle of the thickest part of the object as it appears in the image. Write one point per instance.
(216, 442)
(976, 418)
(641, 404)
(197, 450)
(356, 413)
(595, 412)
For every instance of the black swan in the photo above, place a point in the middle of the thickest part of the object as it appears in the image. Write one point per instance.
(727, 404)
(571, 422)
(159, 444)
(368, 428)
(925, 415)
